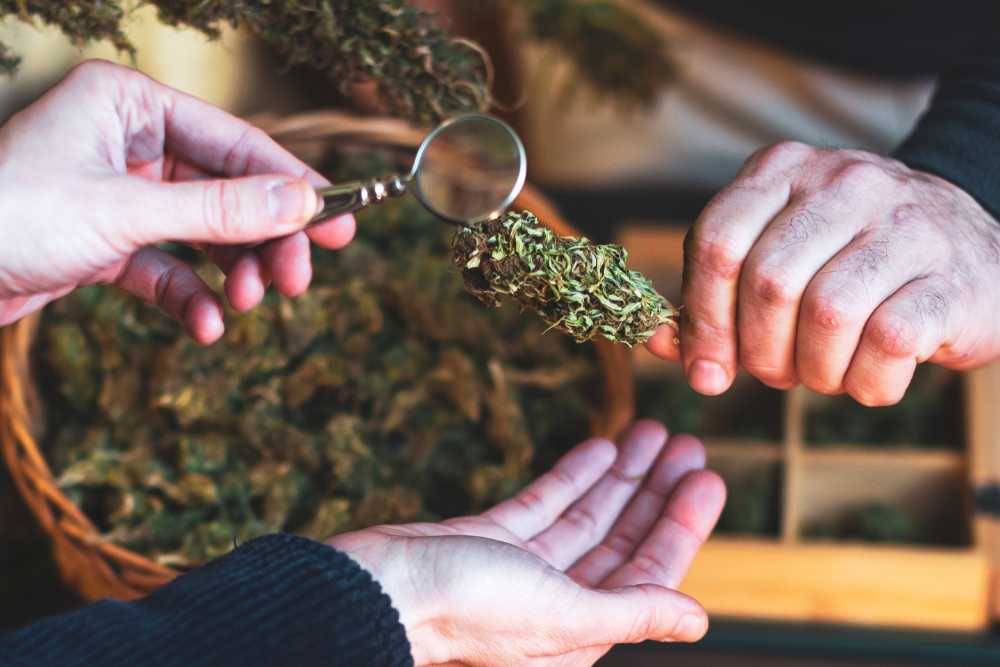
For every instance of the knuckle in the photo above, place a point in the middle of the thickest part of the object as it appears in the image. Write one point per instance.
(855, 175)
(530, 500)
(222, 209)
(620, 542)
(775, 376)
(716, 257)
(894, 336)
(650, 565)
(828, 315)
(874, 398)
(779, 156)
(645, 625)
(821, 384)
(906, 214)
(583, 519)
(771, 286)
(237, 160)
(92, 69)
(163, 287)
(704, 330)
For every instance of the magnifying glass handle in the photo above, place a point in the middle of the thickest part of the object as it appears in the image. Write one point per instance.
(356, 195)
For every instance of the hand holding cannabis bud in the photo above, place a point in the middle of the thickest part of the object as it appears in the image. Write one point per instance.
(840, 270)
(585, 557)
(109, 163)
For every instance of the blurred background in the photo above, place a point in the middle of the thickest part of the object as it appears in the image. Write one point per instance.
(852, 535)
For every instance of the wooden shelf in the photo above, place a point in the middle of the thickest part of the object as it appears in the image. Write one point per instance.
(891, 456)
(735, 448)
(943, 589)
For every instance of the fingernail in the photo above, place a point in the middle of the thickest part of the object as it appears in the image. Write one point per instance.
(287, 202)
(691, 628)
(708, 377)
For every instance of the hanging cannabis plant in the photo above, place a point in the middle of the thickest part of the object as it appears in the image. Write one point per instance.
(576, 286)
(421, 72)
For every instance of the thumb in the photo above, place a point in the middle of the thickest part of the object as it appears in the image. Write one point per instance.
(662, 344)
(227, 210)
(635, 614)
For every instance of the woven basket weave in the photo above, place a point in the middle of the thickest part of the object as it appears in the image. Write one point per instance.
(95, 568)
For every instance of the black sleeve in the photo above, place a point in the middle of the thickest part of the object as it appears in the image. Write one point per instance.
(958, 138)
(277, 600)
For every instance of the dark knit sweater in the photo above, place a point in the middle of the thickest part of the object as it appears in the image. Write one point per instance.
(277, 600)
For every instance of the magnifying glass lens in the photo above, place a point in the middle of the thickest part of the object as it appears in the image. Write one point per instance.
(469, 170)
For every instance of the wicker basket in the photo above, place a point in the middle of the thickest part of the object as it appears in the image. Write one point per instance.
(95, 568)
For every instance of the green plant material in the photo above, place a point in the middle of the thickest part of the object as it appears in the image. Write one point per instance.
(620, 55)
(872, 522)
(753, 506)
(578, 287)
(421, 72)
(749, 410)
(382, 394)
(930, 415)
(82, 21)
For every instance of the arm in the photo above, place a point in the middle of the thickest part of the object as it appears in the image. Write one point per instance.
(109, 163)
(842, 270)
(278, 599)
(586, 556)
(958, 138)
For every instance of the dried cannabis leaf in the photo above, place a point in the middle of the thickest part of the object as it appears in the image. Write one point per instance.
(421, 72)
(578, 287)
(81, 21)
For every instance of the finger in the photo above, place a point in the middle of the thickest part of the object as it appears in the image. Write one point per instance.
(843, 295)
(287, 261)
(666, 554)
(714, 251)
(536, 506)
(246, 281)
(906, 330)
(163, 280)
(215, 141)
(664, 344)
(586, 522)
(682, 454)
(333, 234)
(794, 247)
(634, 614)
(222, 211)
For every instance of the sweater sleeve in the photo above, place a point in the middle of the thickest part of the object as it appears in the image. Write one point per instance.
(277, 600)
(958, 138)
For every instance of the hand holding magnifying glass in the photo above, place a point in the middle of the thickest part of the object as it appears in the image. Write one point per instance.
(469, 169)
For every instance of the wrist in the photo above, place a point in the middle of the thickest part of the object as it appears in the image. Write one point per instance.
(399, 577)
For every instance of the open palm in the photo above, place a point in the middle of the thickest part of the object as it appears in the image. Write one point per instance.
(585, 557)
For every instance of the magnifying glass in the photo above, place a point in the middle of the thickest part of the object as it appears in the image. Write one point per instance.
(469, 169)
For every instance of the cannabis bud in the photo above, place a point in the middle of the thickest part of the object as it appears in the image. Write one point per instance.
(576, 286)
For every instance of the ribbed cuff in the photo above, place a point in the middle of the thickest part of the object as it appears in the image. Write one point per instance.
(958, 138)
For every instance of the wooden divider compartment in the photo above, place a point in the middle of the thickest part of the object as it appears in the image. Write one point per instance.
(940, 581)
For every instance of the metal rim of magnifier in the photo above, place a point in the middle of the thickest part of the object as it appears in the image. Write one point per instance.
(522, 171)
